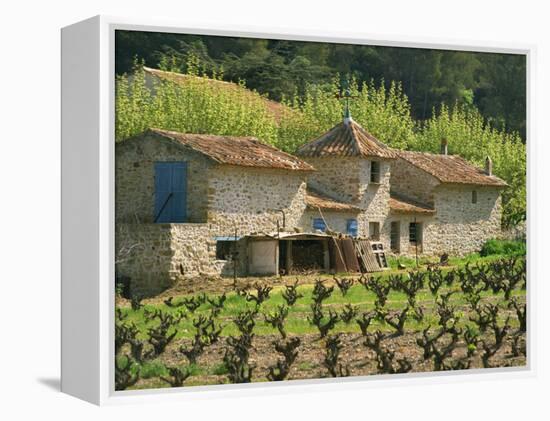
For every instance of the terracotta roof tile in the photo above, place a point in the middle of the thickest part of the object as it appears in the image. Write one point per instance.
(346, 139)
(450, 169)
(242, 151)
(404, 204)
(316, 199)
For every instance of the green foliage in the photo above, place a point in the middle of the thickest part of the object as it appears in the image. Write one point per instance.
(495, 83)
(386, 113)
(193, 105)
(503, 247)
(153, 369)
(220, 369)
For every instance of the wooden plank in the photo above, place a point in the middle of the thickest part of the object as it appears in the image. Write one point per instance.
(337, 261)
(350, 256)
(380, 254)
(366, 255)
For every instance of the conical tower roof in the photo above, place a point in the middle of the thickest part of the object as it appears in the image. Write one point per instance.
(346, 139)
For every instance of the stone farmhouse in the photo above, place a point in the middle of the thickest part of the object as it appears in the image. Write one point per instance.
(191, 205)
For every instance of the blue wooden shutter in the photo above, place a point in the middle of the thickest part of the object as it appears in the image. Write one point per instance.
(179, 190)
(170, 192)
(352, 227)
(319, 224)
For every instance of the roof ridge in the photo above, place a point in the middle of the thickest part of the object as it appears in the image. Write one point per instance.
(234, 150)
(450, 169)
(347, 138)
(249, 138)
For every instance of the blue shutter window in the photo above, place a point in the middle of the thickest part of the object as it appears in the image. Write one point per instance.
(319, 224)
(170, 192)
(351, 227)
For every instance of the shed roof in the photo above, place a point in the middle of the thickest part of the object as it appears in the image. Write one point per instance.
(346, 139)
(403, 204)
(451, 169)
(316, 199)
(241, 151)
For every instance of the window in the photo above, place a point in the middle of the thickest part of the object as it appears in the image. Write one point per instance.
(375, 172)
(415, 233)
(395, 234)
(474, 196)
(374, 231)
(319, 224)
(224, 249)
(170, 192)
(351, 227)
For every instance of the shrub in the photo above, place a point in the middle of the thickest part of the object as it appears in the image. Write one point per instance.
(503, 247)
(153, 369)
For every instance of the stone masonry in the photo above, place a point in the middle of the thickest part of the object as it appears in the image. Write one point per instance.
(224, 200)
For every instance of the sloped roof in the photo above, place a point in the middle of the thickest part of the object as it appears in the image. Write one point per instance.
(316, 199)
(242, 151)
(346, 139)
(451, 169)
(403, 204)
(274, 108)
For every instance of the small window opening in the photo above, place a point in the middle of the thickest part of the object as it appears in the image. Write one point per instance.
(224, 249)
(374, 231)
(319, 224)
(351, 227)
(415, 233)
(394, 236)
(375, 172)
(474, 196)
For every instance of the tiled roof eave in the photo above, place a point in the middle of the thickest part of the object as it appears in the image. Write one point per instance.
(400, 204)
(313, 206)
(318, 200)
(417, 211)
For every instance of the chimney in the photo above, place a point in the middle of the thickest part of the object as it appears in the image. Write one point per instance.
(444, 146)
(488, 166)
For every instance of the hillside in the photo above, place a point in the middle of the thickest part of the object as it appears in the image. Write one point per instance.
(273, 108)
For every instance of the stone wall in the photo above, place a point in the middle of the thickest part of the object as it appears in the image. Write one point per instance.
(339, 177)
(250, 199)
(161, 254)
(462, 227)
(336, 220)
(135, 178)
(348, 179)
(413, 182)
(459, 226)
(404, 220)
(375, 199)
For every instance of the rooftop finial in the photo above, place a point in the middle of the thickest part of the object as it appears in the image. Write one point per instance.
(347, 96)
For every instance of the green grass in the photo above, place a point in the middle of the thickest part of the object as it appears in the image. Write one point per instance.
(492, 250)
(503, 247)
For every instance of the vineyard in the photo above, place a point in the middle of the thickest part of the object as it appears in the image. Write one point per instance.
(433, 319)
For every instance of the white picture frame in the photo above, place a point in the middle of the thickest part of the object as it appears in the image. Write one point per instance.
(88, 213)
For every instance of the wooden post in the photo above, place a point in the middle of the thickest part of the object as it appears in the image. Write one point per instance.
(326, 256)
(288, 256)
(235, 261)
(416, 241)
